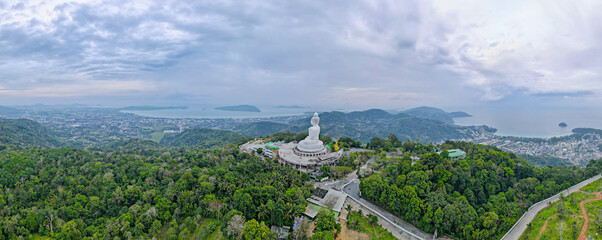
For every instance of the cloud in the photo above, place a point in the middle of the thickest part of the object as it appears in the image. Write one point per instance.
(536, 47)
(379, 53)
(81, 88)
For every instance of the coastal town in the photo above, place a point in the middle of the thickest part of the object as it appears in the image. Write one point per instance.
(577, 149)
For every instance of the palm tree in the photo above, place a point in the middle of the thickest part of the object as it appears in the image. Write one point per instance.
(264, 212)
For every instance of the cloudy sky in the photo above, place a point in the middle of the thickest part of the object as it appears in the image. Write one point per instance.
(396, 53)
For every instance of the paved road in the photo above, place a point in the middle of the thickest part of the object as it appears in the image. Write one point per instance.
(350, 185)
(352, 189)
(521, 225)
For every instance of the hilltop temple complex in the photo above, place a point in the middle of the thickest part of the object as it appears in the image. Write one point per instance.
(309, 154)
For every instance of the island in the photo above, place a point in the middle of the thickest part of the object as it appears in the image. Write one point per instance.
(435, 114)
(152, 108)
(459, 114)
(562, 124)
(239, 108)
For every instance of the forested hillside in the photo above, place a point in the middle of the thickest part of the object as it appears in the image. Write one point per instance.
(26, 133)
(202, 138)
(544, 161)
(260, 129)
(367, 124)
(364, 125)
(75, 194)
(479, 197)
(435, 114)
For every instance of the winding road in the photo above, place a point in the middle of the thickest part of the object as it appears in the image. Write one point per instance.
(350, 186)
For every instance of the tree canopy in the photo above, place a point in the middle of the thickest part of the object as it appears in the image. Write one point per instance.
(479, 197)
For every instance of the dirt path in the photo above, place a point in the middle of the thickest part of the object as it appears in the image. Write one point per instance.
(544, 226)
(584, 228)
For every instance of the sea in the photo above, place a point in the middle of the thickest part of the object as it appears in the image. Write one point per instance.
(537, 122)
(209, 111)
(541, 123)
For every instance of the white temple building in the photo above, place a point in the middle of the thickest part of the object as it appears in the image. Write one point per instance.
(309, 154)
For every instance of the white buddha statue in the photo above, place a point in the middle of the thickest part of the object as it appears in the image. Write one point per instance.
(312, 142)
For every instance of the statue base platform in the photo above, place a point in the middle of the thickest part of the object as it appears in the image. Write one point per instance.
(303, 153)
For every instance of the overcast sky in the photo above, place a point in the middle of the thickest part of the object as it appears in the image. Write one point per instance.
(394, 53)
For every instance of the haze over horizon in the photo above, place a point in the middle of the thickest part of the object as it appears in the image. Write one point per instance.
(362, 54)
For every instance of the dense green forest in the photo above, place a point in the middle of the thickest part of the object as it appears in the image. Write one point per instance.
(67, 193)
(202, 138)
(544, 161)
(479, 197)
(197, 181)
(260, 129)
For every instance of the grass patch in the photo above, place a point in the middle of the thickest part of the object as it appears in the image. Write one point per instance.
(38, 237)
(571, 206)
(363, 225)
(595, 186)
(537, 223)
(554, 230)
(157, 136)
(573, 200)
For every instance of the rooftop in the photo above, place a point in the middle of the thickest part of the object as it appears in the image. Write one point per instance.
(333, 200)
(454, 153)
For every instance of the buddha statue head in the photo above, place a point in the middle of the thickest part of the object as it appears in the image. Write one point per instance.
(315, 120)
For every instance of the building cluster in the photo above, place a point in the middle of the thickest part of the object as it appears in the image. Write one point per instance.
(577, 150)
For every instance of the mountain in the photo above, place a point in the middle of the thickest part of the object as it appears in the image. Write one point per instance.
(259, 129)
(435, 114)
(240, 108)
(26, 133)
(367, 124)
(364, 125)
(202, 137)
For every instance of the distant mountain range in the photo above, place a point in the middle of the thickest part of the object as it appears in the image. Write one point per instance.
(239, 108)
(27, 133)
(435, 114)
(363, 125)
